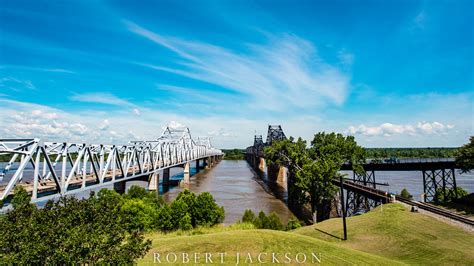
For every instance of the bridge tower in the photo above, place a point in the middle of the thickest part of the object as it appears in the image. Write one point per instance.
(437, 181)
(275, 132)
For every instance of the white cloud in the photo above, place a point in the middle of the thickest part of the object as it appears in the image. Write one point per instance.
(136, 111)
(388, 129)
(286, 71)
(99, 97)
(104, 125)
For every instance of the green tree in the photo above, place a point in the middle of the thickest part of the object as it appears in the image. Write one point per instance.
(248, 216)
(312, 170)
(405, 194)
(69, 231)
(207, 212)
(465, 156)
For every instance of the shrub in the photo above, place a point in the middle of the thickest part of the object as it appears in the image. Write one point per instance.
(164, 219)
(185, 222)
(248, 217)
(293, 224)
(451, 194)
(274, 222)
(405, 194)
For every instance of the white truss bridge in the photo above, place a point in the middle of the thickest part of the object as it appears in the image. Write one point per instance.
(51, 169)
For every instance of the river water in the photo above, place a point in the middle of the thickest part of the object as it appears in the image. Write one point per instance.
(237, 187)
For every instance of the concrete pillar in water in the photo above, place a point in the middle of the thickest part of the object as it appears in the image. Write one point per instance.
(166, 177)
(153, 182)
(187, 173)
(119, 187)
(208, 162)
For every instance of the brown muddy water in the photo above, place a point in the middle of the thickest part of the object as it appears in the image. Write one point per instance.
(234, 185)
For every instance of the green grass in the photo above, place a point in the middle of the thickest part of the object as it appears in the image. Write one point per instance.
(255, 241)
(392, 231)
(388, 235)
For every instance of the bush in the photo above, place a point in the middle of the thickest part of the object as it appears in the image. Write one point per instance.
(405, 194)
(293, 224)
(164, 220)
(451, 194)
(248, 217)
(206, 211)
(271, 221)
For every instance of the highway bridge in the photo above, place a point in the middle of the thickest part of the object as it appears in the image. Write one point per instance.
(52, 169)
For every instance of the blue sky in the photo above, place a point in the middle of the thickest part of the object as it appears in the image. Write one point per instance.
(392, 73)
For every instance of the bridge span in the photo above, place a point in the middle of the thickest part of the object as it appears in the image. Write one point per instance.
(52, 169)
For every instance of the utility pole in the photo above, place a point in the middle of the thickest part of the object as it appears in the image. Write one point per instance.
(343, 208)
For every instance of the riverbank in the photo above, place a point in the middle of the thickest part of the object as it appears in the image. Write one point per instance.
(389, 234)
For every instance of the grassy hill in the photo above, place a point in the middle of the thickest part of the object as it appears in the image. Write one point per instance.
(392, 231)
(254, 242)
(388, 235)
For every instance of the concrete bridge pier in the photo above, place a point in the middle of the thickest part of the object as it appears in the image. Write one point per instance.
(198, 167)
(187, 174)
(166, 177)
(119, 187)
(277, 173)
(153, 182)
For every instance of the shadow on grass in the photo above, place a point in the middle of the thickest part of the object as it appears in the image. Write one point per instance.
(329, 234)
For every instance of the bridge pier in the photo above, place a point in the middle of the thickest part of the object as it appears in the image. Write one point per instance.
(355, 202)
(262, 164)
(153, 182)
(119, 187)
(435, 180)
(186, 173)
(198, 167)
(166, 177)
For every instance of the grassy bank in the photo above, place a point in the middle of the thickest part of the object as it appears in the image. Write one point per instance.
(235, 240)
(393, 232)
(388, 235)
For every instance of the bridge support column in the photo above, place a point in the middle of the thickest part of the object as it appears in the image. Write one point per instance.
(208, 162)
(153, 182)
(119, 187)
(282, 175)
(197, 166)
(262, 164)
(166, 177)
(439, 181)
(359, 203)
(187, 174)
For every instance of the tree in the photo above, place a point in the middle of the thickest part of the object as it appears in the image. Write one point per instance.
(248, 217)
(405, 194)
(465, 156)
(69, 231)
(312, 170)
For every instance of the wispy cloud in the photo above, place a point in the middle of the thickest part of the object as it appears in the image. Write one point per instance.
(15, 84)
(52, 70)
(102, 98)
(285, 71)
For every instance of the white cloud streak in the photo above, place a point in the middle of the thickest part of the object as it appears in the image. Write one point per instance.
(285, 71)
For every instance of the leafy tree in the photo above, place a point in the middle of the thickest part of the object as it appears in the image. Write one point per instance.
(313, 169)
(405, 194)
(465, 156)
(69, 231)
(451, 194)
(206, 211)
(185, 222)
(164, 219)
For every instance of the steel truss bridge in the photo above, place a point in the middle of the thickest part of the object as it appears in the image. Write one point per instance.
(362, 192)
(51, 169)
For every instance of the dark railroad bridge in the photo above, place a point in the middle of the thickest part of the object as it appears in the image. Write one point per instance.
(362, 190)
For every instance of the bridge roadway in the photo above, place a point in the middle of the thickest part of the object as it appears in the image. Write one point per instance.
(56, 169)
